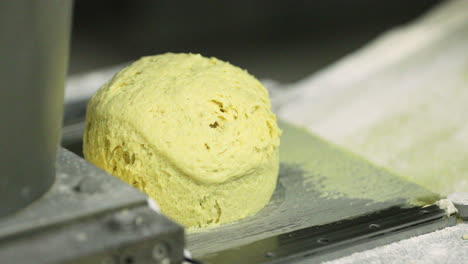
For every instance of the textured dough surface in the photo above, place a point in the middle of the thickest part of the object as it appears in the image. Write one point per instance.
(196, 134)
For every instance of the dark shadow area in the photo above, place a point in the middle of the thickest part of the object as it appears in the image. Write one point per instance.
(281, 40)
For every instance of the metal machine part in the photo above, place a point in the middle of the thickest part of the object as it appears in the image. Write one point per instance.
(89, 216)
(84, 214)
(34, 52)
(334, 240)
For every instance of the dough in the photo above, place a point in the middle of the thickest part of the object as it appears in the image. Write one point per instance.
(196, 134)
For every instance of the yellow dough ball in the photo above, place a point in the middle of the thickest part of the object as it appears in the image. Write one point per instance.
(196, 134)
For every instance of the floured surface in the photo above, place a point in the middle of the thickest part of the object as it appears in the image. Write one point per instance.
(444, 246)
(319, 183)
(401, 102)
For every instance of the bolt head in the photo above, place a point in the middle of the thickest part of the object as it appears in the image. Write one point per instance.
(160, 251)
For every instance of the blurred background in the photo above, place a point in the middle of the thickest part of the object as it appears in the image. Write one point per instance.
(280, 40)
